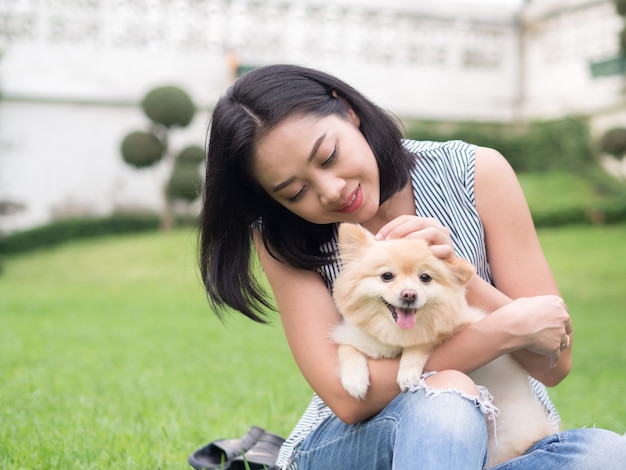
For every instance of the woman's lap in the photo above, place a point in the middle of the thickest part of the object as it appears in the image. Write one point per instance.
(416, 430)
(447, 431)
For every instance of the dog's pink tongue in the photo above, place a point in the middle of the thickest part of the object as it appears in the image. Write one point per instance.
(406, 317)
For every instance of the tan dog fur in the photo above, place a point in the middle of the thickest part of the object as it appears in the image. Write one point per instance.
(396, 297)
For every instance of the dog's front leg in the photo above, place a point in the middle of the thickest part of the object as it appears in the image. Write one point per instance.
(353, 371)
(411, 366)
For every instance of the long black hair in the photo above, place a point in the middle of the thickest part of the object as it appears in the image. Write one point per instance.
(234, 202)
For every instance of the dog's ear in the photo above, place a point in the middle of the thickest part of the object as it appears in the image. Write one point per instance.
(353, 239)
(461, 269)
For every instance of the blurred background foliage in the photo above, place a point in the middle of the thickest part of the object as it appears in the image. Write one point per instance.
(167, 107)
(557, 163)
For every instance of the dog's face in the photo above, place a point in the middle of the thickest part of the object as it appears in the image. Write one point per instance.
(398, 288)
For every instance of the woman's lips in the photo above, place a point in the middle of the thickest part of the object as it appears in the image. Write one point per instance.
(353, 202)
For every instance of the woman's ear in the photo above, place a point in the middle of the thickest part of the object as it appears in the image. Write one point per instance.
(354, 119)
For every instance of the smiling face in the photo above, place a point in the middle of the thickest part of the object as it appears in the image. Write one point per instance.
(320, 168)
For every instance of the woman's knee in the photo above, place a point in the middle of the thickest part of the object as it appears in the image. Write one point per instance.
(456, 406)
(444, 420)
(452, 380)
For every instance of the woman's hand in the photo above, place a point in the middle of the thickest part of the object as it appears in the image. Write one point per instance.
(541, 324)
(436, 235)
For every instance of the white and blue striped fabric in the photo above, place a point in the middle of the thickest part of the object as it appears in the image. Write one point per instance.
(443, 187)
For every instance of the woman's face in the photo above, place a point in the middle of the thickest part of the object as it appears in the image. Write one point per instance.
(320, 168)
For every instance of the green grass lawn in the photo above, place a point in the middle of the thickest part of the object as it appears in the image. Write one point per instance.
(111, 358)
(558, 190)
(590, 266)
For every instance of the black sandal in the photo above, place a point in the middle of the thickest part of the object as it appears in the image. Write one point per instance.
(219, 454)
(262, 455)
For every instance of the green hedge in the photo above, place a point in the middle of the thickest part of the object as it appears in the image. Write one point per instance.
(541, 147)
(563, 144)
(57, 233)
(609, 213)
(64, 231)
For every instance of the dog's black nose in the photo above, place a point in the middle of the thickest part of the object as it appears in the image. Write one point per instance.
(408, 295)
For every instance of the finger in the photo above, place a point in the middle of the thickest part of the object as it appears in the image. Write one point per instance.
(392, 225)
(433, 235)
(404, 225)
(568, 327)
(554, 358)
(442, 251)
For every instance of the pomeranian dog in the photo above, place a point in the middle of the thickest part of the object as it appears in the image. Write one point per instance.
(396, 297)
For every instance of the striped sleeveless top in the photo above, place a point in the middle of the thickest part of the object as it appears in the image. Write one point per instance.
(443, 188)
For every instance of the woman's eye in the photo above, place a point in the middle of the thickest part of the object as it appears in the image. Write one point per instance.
(298, 195)
(331, 158)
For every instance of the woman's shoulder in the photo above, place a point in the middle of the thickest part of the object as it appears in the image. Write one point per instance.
(453, 157)
(434, 149)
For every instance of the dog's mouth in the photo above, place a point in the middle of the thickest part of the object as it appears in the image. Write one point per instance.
(404, 317)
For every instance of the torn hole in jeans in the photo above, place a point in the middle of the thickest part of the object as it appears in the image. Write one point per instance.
(484, 400)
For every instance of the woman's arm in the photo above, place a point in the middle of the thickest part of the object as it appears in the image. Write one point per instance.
(308, 315)
(519, 267)
(533, 326)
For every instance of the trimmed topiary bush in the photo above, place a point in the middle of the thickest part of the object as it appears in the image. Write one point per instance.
(613, 142)
(169, 106)
(185, 183)
(192, 155)
(142, 149)
(620, 6)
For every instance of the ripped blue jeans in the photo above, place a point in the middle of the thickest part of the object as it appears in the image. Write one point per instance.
(416, 430)
(446, 430)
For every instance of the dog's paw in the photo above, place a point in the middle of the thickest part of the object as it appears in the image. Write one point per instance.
(356, 385)
(353, 371)
(407, 379)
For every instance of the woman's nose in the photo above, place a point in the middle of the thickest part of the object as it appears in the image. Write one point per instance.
(330, 189)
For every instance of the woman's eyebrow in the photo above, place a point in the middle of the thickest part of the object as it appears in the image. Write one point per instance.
(314, 150)
(316, 146)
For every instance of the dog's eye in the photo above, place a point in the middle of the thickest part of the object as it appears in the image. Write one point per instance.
(425, 278)
(387, 276)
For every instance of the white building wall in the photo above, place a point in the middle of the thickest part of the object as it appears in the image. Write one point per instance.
(61, 160)
(73, 71)
(561, 39)
(410, 54)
